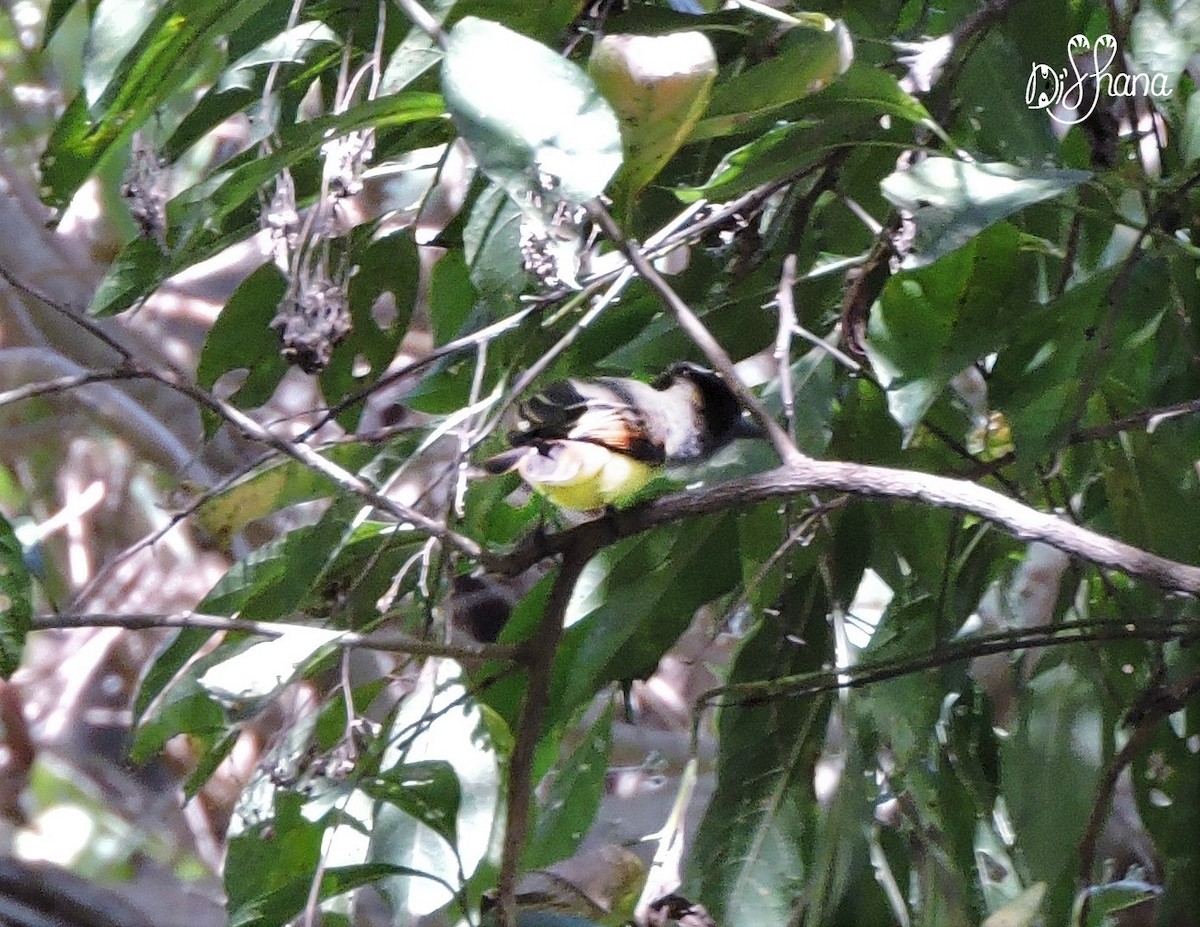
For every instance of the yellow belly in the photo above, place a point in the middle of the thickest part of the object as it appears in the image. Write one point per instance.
(582, 476)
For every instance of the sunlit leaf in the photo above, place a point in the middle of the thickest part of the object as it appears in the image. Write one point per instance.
(809, 61)
(262, 670)
(271, 489)
(530, 116)
(1022, 911)
(659, 87)
(161, 61)
(426, 790)
(437, 722)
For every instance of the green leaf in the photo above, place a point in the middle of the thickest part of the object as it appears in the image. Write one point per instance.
(1057, 749)
(933, 322)
(528, 114)
(163, 59)
(953, 201)
(1036, 379)
(130, 278)
(809, 61)
(247, 680)
(659, 86)
(271, 489)
(844, 113)
(16, 600)
(185, 709)
(242, 338)
(569, 809)
(426, 791)
(205, 207)
(241, 86)
(57, 11)
(633, 602)
(492, 250)
(543, 22)
(387, 265)
(1164, 781)
(749, 863)
(306, 555)
(221, 210)
(437, 721)
(452, 296)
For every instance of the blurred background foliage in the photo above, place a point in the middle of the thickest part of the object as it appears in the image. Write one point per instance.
(359, 223)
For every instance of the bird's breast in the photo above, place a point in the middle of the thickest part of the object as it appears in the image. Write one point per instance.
(583, 476)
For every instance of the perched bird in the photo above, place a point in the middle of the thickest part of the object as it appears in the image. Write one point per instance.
(585, 444)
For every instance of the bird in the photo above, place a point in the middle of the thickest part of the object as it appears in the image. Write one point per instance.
(586, 444)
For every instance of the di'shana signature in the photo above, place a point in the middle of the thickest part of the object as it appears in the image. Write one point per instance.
(1078, 91)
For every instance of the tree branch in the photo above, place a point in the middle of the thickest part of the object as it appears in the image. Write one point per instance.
(539, 658)
(1019, 520)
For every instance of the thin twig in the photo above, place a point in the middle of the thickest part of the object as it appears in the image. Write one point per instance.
(943, 654)
(1144, 418)
(422, 20)
(785, 302)
(63, 384)
(83, 321)
(386, 641)
(343, 478)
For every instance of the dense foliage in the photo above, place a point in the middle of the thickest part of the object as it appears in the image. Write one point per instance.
(927, 720)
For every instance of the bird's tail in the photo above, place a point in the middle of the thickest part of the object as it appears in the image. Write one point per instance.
(505, 461)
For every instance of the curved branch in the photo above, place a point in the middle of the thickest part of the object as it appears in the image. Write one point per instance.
(1019, 520)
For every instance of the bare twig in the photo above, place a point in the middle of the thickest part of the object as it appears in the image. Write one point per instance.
(343, 478)
(785, 301)
(1144, 418)
(83, 321)
(422, 20)
(387, 641)
(944, 654)
(62, 384)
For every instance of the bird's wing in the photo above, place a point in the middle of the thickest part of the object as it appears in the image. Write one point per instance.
(600, 412)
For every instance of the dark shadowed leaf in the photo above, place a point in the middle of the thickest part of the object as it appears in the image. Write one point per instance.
(242, 339)
(566, 814)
